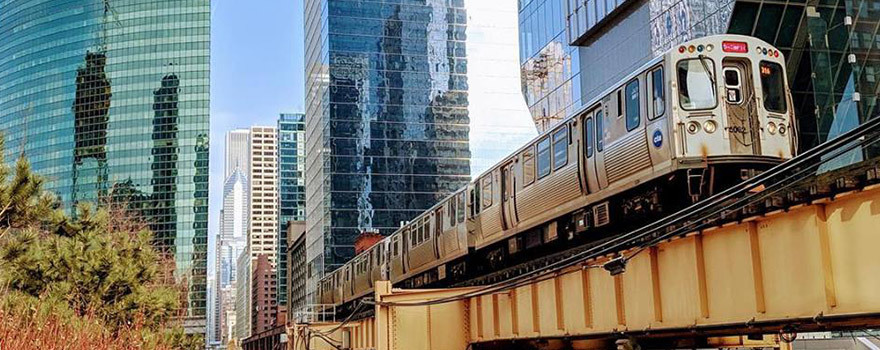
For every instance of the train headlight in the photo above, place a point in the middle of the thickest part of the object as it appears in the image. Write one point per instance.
(771, 127)
(781, 129)
(693, 127)
(710, 126)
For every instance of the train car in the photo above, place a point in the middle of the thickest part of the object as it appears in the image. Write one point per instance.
(707, 114)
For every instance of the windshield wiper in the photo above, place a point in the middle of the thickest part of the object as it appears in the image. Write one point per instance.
(706, 69)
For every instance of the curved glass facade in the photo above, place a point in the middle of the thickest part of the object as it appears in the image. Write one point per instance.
(109, 98)
(550, 67)
(386, 121)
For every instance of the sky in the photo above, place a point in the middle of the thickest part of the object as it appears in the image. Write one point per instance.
(257, 73)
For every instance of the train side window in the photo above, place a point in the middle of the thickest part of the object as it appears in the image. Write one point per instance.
(600, 131)
(560, 147)
(658, 93)
(452, 210)
(588, 136)
(461, 208)
(619, 104)
(426, 228)
(633, 116)
(412, 236)
(395, 248)
(486, 183)
(528, 159)
(543, 157)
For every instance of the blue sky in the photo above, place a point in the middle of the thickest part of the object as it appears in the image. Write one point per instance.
(256, 73)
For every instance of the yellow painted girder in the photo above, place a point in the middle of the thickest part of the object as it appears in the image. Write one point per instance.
(815, 262)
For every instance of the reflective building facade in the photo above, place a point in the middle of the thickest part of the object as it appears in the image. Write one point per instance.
(292, 187)
(110, 98)
(386, 117)
(550, 67)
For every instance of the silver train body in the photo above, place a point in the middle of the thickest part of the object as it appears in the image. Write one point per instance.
(709, 103)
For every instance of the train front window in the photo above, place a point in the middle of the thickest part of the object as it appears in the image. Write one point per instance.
(773, 85)
(696, 87)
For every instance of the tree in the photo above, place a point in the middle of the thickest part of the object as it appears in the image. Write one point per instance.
(98, 263)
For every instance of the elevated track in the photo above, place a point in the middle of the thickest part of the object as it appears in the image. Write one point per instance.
(792, 250)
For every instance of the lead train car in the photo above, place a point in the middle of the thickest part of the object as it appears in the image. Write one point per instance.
(706, 114)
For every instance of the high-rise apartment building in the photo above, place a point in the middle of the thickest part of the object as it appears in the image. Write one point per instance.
(237, 151)
(262, 231)
(292, 187)
(386, 117)
(109, 98)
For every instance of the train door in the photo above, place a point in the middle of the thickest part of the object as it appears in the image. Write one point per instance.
(659, 134)
(601, 136)
(743, 125)
(508, 196)
(589, 137)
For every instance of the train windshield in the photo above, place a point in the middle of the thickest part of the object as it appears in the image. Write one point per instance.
(773, 87)
(695, 84)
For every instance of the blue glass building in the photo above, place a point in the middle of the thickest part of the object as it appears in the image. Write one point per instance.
(109, 98)
(292, 185)
(386, 117)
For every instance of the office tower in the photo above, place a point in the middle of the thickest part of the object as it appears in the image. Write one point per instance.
(386, 118)
(264, 306)
(243, 307)
(291, 184)
(212, 338)
(262, 231)
(297, 272)
(233, 225)
(550, 67)
(109, 98)
(231, 242)
(237, 151)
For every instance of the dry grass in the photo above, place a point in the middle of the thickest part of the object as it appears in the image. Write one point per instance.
(27, 330)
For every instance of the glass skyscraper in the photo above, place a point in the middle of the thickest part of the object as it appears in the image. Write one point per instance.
(550, 67)
(292, 184)
(109, 98)
(386, 117)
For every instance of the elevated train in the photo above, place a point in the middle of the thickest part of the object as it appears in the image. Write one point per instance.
(704, 115)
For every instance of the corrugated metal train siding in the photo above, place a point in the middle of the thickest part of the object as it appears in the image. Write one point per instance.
(627, 157)
(549, 192)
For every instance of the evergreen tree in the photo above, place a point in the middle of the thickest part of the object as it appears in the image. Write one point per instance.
(98, 263)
